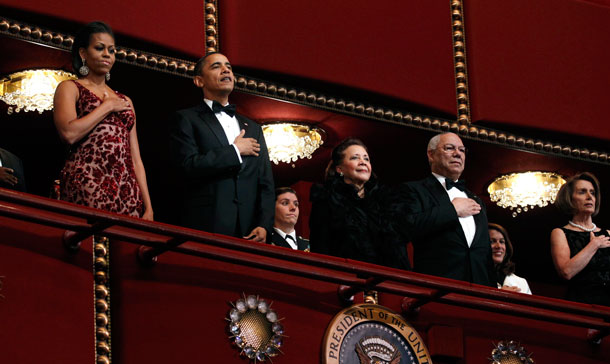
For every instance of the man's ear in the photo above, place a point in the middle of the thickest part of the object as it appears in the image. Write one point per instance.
(430, 155)
(198, 81)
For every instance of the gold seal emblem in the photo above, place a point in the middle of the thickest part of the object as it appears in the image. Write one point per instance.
(372, 334)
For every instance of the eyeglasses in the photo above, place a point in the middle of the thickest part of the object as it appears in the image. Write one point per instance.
(450, 148)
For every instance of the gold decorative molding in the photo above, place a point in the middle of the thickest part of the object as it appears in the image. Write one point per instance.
(304, 97)
(34, 34)
(460, 64)
(210, 14)
(406, 118)
(101, 274)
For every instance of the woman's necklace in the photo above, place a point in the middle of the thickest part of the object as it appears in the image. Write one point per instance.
(582, 227)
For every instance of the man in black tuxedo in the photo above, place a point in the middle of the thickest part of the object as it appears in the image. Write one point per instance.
(286, 216)
(11, 171)
(446, 222)
(228, 185)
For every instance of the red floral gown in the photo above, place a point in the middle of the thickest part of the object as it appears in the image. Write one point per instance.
(99, 171)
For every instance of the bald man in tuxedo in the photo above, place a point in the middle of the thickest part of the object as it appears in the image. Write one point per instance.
(445, 221)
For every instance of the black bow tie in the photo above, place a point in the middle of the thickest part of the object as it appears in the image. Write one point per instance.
(459, 184)
(229, 109)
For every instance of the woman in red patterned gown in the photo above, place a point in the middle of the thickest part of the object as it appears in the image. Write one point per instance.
(104, 169)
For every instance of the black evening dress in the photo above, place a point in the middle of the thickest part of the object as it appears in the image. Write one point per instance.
(592, 284)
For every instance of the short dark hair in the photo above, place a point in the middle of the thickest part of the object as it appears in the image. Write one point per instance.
(564, 197)
(83, 38)
(339, 153)
(507, 266)
(282, 190)
(200, 62)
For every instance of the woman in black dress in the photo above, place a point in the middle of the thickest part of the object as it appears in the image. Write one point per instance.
(349, 216)
(579, 249)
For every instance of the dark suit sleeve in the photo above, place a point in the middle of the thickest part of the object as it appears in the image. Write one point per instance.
(19, 173)
(13, 162)
(421, 216)
(266, 186)
(195, 159)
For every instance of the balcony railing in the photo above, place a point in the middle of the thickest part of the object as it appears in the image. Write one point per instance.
(351, 276)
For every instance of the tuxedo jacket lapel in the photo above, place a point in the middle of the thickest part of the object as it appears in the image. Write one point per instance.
(436, 190)
(441, 196)
(208, 117)
(243, 124)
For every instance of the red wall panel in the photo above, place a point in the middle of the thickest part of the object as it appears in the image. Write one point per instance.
(46, 297)
(541, 64)
(531, 64)
(400, 49)
(173, 24)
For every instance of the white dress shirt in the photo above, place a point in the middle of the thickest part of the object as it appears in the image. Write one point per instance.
(292, 242)
(468, 225)
(229, 124)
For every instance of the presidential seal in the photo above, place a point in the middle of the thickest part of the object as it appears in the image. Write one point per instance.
(372, 334)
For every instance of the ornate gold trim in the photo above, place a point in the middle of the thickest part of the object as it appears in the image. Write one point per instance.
(309, 98)
(458, 37)
(510, 352)
(64, 42)
(401, 117)
(101, 274)
(210, 14)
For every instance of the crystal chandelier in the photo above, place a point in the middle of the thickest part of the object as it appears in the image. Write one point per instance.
(524, 191)
(288, 142)
(32, 89)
